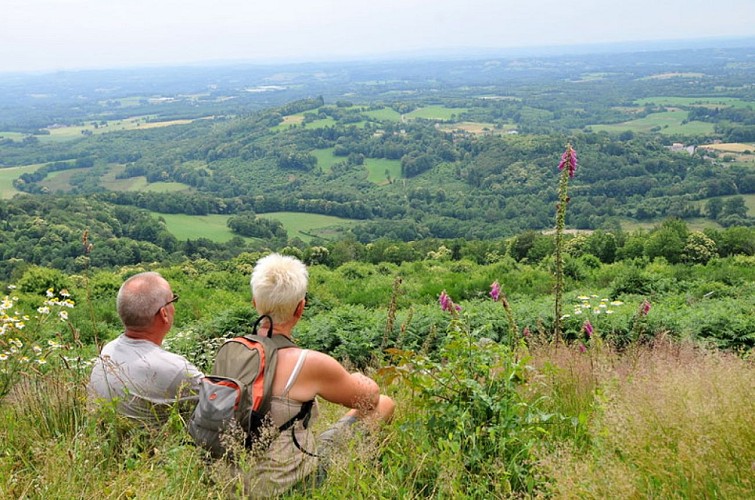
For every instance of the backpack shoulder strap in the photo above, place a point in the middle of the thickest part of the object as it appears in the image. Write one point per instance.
(268, 349)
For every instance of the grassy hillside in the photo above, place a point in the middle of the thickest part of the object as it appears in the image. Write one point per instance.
(489, 400)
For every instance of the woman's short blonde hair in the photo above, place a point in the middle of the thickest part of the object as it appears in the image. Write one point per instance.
(279, 283)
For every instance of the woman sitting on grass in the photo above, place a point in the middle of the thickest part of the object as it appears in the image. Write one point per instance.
(279, 285)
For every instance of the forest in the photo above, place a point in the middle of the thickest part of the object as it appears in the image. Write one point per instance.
(581, 328)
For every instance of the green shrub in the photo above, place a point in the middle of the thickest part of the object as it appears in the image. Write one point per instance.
(483, 429)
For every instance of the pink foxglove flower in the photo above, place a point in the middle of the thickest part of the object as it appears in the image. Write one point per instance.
(569, 160)
(495, 291)
(588, 328)
(645, 308)
(446, 304)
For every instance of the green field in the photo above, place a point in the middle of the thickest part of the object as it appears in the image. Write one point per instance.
(8, 175)
(213, 227)
(185, 227)
(377, 167)
(384, 115)
(750, 202)
(326, 158)
(440, 113)
(669, 122)
(111, 182)
(708, 102)
(69, 132)
(306, 226)
(60, 180)
(163, 187)
(13, 136)
(696, 224)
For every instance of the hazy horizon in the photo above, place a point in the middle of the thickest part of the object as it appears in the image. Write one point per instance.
(51, 35)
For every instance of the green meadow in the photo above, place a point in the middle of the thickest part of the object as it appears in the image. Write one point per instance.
(111, 182)
(61, 180)
(667, 122)
(708, 102)
(69, 132)
(440, 113)
(325, 158)
(13, 136)
(750, 202)
(8, 175)
(307, 226)
(298, 120)
(214, 227)
(192, 227)
(377, 168)
(383, 115)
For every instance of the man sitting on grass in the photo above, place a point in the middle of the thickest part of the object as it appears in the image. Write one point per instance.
(144, 379)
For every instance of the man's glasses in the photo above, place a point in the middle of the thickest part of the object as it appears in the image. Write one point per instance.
(171, 301)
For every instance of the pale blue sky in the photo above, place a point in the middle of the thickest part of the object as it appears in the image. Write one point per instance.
(72, 34)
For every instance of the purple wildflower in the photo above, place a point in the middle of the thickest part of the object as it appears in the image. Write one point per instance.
(526, 331)
(495, 291)
(445, 301)
(569, 159)
(582, 348)
(645, 307)
(588, 328)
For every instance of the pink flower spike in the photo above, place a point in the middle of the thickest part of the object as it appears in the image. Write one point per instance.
(569, 159)
(446, 304)
(443, 300)
(588, 328)
(645, 307)
(582, 348)
(495, 291)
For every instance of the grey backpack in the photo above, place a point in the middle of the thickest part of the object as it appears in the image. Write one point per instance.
(238, 392)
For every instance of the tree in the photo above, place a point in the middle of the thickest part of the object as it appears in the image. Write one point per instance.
(714, 207)
(668, 241)
(735, 206)
(699, 249)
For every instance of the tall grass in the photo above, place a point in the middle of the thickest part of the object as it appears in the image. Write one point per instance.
(670, 420)
(667, 420)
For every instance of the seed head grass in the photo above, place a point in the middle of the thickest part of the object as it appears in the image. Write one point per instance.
(670, 420)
